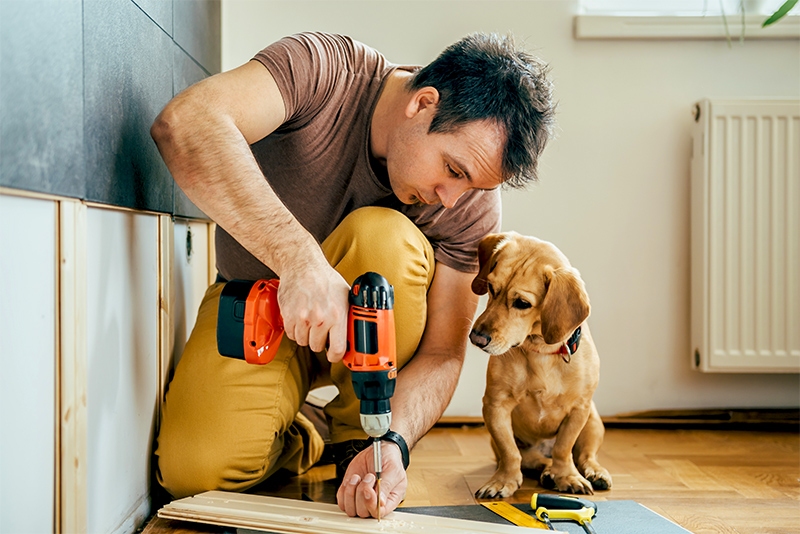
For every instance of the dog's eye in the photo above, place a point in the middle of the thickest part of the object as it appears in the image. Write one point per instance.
(491, 290)
(521, 304)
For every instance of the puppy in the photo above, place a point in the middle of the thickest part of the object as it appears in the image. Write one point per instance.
(543, 371)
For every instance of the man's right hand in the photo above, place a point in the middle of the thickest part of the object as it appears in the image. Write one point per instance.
(204, 135)
(314, 306)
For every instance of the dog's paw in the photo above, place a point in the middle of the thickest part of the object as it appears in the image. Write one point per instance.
(547, 481)
(571, 483)
(499, 487)
(598, 478)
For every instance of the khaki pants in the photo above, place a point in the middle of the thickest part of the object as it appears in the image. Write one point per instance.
(229, 425)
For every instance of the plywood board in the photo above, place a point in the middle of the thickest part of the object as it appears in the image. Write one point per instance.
(27, 364)
(287, 516)
(122, 323)
(190, 279)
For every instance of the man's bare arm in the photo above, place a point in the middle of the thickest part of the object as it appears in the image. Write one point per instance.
(203, 135)
(426, 384)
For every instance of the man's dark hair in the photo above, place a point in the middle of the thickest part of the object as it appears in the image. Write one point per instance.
(484, 76)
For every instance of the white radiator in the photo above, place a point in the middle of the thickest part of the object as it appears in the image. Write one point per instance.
(745, 208)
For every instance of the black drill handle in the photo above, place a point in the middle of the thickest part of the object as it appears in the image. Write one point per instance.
(561, 502)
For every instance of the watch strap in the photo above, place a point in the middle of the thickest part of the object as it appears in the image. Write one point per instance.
(396, 438)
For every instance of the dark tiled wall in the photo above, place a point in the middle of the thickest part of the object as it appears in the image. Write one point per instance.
(81, 81)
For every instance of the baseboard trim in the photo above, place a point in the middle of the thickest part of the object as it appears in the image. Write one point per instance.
(785, 419)
(459, 420)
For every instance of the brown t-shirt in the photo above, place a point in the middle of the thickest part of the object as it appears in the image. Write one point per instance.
(318, 161)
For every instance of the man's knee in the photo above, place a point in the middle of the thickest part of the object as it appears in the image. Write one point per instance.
(383, 240)
(383, 227)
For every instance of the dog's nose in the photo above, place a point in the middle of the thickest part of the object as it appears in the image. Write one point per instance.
(479, 339)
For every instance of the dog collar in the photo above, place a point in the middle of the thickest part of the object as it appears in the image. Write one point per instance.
(571, 346)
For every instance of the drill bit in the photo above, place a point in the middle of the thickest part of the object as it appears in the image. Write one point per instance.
(376, 451)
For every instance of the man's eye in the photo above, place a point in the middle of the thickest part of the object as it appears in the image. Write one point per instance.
(452, 172)
(521, 304)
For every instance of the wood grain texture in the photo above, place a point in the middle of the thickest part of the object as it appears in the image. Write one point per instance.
(72, 382)
(707, 481)
(281, 515)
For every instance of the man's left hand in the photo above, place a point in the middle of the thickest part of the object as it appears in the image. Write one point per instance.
(357, 495)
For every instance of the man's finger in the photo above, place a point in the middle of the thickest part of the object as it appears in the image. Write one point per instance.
(317, 337)
(346, 496)
(338, 341)
(365, 497)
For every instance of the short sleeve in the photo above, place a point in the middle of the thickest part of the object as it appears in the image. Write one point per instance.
(310, 68)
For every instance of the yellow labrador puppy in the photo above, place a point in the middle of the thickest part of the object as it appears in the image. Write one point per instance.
(543, 371)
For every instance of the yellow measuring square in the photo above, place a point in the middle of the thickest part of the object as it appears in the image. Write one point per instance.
(515, 515)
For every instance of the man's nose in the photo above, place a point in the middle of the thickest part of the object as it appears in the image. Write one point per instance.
(449, 194)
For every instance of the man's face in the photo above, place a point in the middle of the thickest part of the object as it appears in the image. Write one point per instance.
(440, 167)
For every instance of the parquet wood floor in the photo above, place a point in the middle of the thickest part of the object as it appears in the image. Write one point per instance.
(708, 481)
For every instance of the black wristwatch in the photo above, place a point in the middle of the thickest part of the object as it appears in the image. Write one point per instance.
(394, 437)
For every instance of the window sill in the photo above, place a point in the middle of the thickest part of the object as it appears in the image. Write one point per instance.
(682, 27)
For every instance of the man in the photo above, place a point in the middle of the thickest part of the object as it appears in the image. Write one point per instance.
(320, 161)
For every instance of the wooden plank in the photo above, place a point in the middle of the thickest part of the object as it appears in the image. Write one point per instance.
(212, 253)
(72, 380)
(287, 516)
(166, 299)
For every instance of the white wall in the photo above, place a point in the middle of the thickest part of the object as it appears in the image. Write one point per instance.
(614, 191)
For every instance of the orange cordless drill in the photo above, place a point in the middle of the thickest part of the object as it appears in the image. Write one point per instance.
(250, 327)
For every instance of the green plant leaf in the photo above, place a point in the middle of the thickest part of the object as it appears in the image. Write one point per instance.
(780, 13)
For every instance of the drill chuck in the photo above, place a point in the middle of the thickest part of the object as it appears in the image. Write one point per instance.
(375, 389)
(376, 425)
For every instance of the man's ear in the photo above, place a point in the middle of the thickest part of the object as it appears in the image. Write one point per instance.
(423, 98)
(486, 249)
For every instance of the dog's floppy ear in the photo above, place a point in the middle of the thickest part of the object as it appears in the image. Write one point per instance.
(485, 252)
(565, 306)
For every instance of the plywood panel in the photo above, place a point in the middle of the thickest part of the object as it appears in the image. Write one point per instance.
(123, 318)
(300, 517)
(27, 364)
(191, 278)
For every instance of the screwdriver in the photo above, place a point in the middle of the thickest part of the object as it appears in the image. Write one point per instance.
(549, 507)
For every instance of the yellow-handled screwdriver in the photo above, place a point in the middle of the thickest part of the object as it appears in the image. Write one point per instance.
(549, 507)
